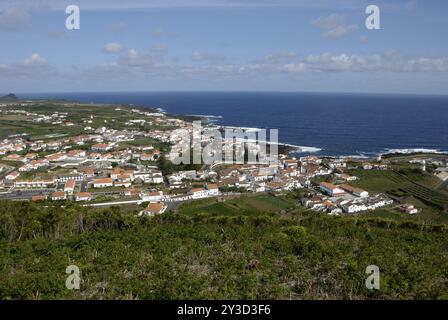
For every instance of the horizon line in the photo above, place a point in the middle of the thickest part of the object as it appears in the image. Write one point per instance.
(231, 91)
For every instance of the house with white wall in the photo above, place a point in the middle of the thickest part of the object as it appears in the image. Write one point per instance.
(331, 189)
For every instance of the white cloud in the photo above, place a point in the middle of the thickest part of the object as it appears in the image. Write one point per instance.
(13, 19)
(294, 67)
(334, 26)
(427, 65)
(112, 47)
(155, 63)
(149, 63)
(386, 62)
(33, 67)
(132, 54)
(157, 67)
(196, 56)
(340, 31)
(141, 61)
(281, 57)
(34, 61)
(330, 22)
(210, 57)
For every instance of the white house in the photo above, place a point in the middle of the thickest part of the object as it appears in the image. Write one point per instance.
(157, 177)
(322, 171)
(408, 208)
(103, 183)
(154, 196)
(33, 183)
(83, 196)
(212, 189)
(257, 177)
(259, 187)
(331, 189)
(12, 176)
(355, 191)
(346, 177)
(67, 177)
(154, 208)
(102, 147)
(69, 186)
(199, 193)
(144, 176)
(352, 206)
(58, 195)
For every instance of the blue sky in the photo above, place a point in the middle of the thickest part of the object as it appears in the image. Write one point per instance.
(248, 45)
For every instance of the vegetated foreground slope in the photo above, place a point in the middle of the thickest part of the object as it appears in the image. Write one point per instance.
(229, 255)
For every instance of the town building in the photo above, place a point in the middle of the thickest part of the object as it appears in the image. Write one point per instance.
(199, 193)
(353, 190)
(331, 189)
(212, 189)
(12, 176)
(153, 196)
(408, 208)
(103, 183)
(154, 208)
(58, 195)
(70, 186)
(102, 147)
(83, 196)
(39, 198)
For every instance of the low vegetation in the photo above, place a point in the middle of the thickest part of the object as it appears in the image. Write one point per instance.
(237, 249)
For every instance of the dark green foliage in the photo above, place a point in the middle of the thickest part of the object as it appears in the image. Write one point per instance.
(215, 255)
(165, 165)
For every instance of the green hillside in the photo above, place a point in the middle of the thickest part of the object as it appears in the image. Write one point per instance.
(218, 252)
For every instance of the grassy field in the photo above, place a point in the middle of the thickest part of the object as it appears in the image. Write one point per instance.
(251, 204)
(36, 131)
(407, 186)
(13, 124)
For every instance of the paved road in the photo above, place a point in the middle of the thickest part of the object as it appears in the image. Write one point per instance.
(25, 194)
(115, 203)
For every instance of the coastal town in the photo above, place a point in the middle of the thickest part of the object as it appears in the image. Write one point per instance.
(223, 158)
(112, 161)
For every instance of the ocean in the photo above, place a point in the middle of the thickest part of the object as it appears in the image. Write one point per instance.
(327, 124)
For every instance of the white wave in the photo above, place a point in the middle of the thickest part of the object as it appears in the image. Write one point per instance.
(246, 129)
(360, 155)
(302, 149)
(297, 149)
(413, 150)
(355, 156)
(205, 116)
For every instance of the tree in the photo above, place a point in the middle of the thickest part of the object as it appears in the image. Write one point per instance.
(164, 165)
